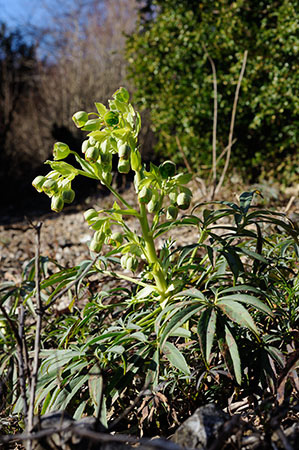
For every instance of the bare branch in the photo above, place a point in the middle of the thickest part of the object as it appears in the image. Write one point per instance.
(23, 369)
(37, 333)
(183, 154)
(215, 115)
(232, 124)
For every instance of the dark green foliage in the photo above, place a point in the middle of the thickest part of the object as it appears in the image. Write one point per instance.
(173, 76)
(232, 310)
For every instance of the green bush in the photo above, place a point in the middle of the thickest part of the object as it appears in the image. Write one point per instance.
(173, 77)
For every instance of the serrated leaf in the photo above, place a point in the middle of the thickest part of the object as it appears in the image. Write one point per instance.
(178, 320)
(234, 353)
(191, 293)
(95, 385)
(249, 300)
(117, 349)
(211, 328)
(202, 328)
(175, 357)
(237, 313)
(79, 411)
(245, 201)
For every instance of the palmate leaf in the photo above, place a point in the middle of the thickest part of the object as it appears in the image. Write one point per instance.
(95, 385)
(202, 326)
(249, 300)
(67, 393)
(237, 313)
(178, 320)
(234, 353)
(211, 328)
(233, 260)
(242, 287)
(246, 199)
(175, 357)
(80, 410)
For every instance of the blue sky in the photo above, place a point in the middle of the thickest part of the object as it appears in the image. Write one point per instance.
(22, 12)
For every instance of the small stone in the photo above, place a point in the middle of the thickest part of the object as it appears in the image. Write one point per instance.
(201, 428)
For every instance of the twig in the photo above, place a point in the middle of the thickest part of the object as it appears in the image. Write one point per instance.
(23, 370)
(283, 439)
(183, 154)
(129, 408)
(224, 152)
(290, 202)
(232, 123)
(215, 116)
(39, 313)
(93, 436)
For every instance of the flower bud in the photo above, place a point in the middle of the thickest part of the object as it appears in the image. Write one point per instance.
(68, 195)
(172, 212)
(124, 151)
(90, 214)
(145, 195)
(60, 150)
(95, 246)
(99, 236)
(50, 186)
(136, 160)
(167, 169)
(116, 238)
(38, 183)
(154, 205)
(111, 118)
(57, 203)
(85, 145)
(173, 196)
(80, 118)
(92, 141)
(123, 165)
(183, 200)
(92, 154)
(132, 263)
(123, 260)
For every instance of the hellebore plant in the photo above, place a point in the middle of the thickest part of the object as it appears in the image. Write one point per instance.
(190, 312)
(160, 191)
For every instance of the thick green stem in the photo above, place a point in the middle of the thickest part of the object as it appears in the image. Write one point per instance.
(150, 250)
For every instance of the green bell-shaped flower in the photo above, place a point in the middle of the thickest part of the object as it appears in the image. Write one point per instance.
(80, 118)
(60, 150)
(123, 165)
(50, 186)
(90, 214)
(95, 246)
(68, 195)
(145, 195)
(92, 154)
(57, 203)
(111, 118)
(172, 212)
(124, 151)
(167, 169)
(183, 200)
(38, 182)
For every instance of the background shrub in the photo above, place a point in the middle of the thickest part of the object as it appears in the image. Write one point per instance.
(173, 77)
